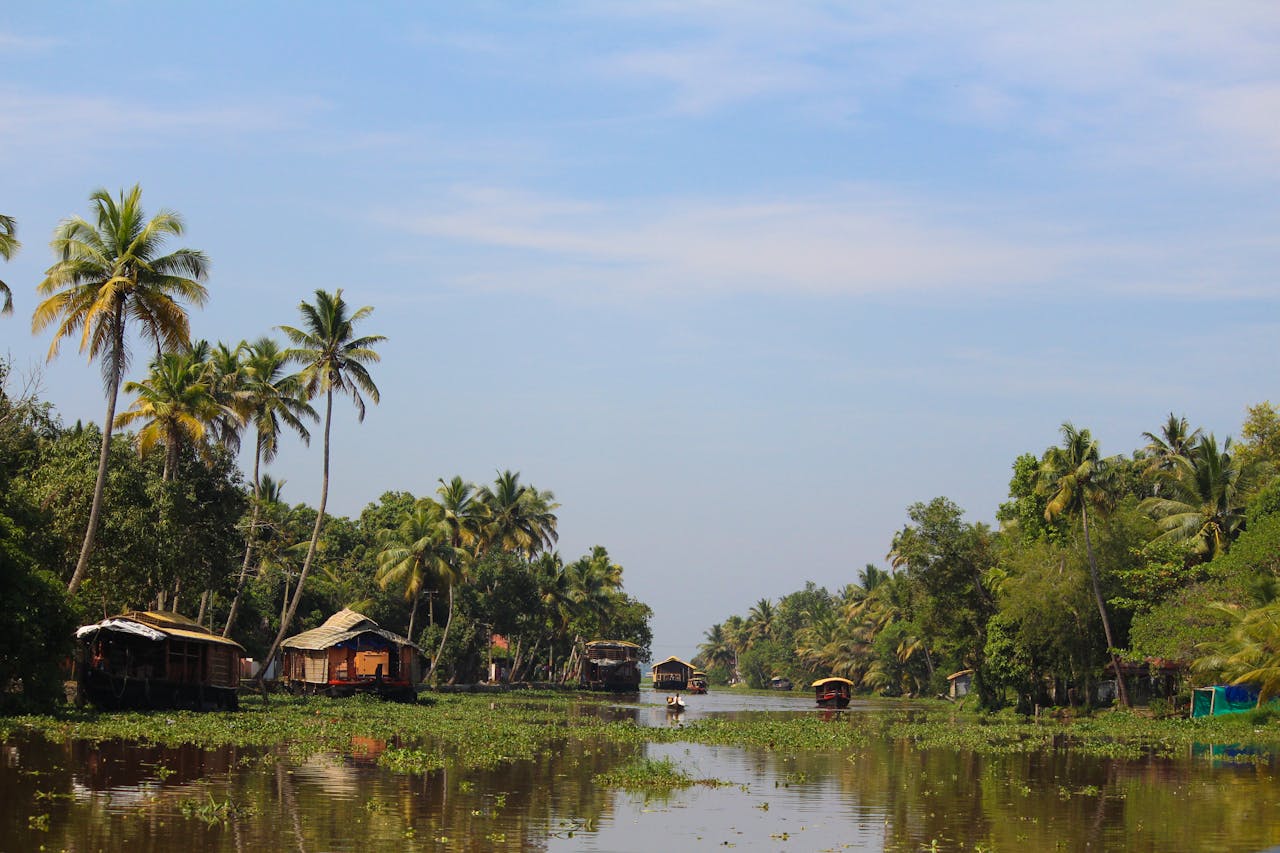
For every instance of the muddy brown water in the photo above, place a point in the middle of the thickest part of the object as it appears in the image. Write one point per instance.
(887, 796)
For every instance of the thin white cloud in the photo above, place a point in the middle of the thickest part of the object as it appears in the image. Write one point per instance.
(1120, 81)
(14, 43)
(849, 242)
(48, 122)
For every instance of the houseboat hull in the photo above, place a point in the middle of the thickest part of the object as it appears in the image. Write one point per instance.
(350, 654)
(156, 659)
(611, 666)
(400, 691)
(119, 693)
(622, 678)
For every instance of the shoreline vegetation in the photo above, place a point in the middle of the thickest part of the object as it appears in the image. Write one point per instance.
(474, 731)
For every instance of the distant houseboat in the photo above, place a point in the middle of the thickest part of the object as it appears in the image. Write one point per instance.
(350, 653)
(156, 659)
(833, 692)
(780, 682)
(612, 665)
(671, 674)
(698, 682)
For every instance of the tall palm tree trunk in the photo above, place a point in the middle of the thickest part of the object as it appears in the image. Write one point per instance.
(413, 615)
(99, 486)
(435, 661)
(311, 552)
(1102, 610)
(248, 546)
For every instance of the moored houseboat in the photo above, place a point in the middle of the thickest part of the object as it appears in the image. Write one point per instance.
(698, 682)
(671, 674)
(833, 692)
(612, 665)
(156, 659)
(350, 653)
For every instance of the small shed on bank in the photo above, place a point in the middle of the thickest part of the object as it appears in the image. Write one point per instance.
(156, 659)
(1145, 680)
(671, 674)
(960, 683)
(350, 653)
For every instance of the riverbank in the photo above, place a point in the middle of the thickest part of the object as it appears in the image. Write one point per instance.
(484, 728)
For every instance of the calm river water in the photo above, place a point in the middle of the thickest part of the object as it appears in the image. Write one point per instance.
(887, 796)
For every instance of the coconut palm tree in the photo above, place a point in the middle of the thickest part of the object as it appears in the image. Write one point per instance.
(715, 648)
(760, 621)
(227, 381)
(1175, 441)
(556, 597)
(415, 551)
(273, 401)
(9, 246)
(176, 406)
(736, 635)
(110, 273)
(1074, 478)
(519, 518)
(333, 361)
(464, 515)
(594, 582)
(1204, 497)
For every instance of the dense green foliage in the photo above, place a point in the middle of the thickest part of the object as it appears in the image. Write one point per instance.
(1171, 555)
(180, 543)
(95, 522)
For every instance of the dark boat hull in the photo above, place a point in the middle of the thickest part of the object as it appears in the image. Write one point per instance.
(117, 693)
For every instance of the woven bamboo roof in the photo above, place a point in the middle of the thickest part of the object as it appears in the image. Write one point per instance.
(341, 626)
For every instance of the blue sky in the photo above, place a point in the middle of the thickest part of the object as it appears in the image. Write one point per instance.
(739, 282)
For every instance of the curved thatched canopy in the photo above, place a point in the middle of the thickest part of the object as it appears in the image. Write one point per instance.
(344, 625)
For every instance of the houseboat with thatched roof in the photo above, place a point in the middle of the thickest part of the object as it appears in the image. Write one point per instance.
(612, 665)
(671, 674)
(350, 653)
(156, 659)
